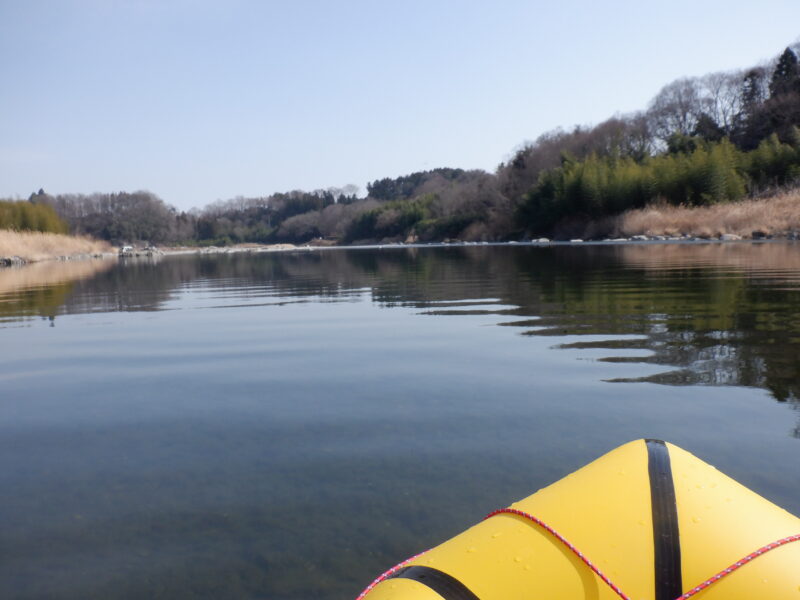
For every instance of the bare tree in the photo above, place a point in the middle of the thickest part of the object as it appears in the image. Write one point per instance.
(677, 107)
(722, 92)
(637, 141)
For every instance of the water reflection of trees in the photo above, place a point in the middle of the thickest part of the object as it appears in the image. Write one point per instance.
(711, 314)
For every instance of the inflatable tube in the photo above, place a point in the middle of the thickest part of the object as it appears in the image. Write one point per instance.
(654, 519)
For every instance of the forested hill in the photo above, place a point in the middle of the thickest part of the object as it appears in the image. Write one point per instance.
(701, 140)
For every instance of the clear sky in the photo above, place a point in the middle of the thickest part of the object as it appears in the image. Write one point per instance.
(199, 100)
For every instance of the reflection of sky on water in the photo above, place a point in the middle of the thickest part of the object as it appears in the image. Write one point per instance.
(287, 425)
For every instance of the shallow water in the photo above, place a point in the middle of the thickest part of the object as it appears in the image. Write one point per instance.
(287, 425)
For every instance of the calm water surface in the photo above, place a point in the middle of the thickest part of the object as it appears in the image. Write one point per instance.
(286, 426)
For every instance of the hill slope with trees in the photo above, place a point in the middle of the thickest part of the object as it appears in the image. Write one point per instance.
(701, 141)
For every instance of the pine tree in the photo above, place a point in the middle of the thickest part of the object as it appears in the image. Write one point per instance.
(752, 96)
(751, 125)
(786, 77)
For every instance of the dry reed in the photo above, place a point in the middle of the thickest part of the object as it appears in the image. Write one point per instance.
(776, 215)
(35, 246)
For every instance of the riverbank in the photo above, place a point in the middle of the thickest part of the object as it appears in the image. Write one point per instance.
(775, 216)
(21, 247)
(772, 217)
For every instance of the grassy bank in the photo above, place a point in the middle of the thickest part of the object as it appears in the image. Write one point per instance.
(777, 215)
(33, 246)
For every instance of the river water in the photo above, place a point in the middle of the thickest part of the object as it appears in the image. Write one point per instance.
(288, 425)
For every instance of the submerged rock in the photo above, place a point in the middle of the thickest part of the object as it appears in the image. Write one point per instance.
(12, 261)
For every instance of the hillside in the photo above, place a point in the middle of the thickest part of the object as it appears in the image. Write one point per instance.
(701, 142)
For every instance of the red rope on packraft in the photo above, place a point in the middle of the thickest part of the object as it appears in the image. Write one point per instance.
(738, 565)
(386, 574)
(563, 540)
(513, 511)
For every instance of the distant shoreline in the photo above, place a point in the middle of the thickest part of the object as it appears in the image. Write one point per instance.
(774, 218)
(15, 260)
(18, 261)
(543, 242)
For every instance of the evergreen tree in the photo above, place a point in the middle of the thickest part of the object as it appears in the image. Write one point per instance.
(708, 129)
(786, 77)
(752, 94)
(752, 123)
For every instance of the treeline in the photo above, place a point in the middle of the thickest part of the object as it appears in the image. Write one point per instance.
(408, 186)
(144, 217)
(120, 217)
(263, 220)
(701, 140)
(708, 172)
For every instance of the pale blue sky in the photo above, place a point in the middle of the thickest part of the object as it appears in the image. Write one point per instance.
(200, 100)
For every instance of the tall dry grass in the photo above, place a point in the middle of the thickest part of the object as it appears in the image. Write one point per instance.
(775, 215)
(35, 246)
